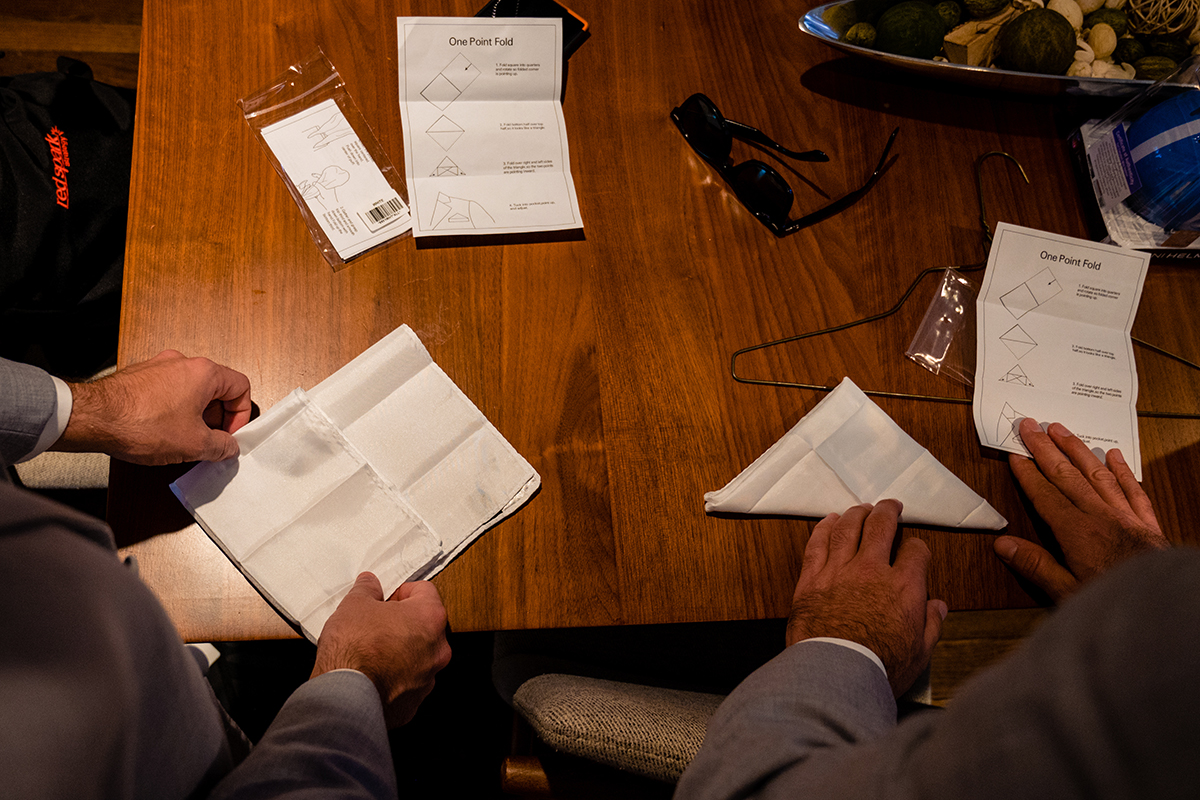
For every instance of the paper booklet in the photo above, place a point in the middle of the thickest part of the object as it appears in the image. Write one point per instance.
(384, 466)
(1054, 321)
(848, 451)
(485, 141)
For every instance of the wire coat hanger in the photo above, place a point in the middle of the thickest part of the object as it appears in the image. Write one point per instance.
(987, 242)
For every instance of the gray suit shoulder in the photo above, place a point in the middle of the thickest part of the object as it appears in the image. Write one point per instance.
(1101, 701)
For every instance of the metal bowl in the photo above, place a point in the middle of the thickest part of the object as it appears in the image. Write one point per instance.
(815, 24)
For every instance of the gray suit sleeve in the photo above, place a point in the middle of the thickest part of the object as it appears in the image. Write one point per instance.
(1102, 701)
(28, 401)
(328, 741)
(98, 699)
(791, 719)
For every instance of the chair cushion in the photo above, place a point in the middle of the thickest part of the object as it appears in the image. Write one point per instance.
(52, 470)
(646, 730)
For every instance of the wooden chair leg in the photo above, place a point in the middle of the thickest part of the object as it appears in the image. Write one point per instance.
(522, 773)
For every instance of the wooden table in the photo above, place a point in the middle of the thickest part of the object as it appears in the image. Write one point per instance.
(605, 360)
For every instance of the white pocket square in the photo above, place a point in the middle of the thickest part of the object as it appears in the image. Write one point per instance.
(847, 451)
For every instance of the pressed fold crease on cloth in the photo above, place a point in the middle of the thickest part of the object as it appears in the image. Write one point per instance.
(847, 451)
(385, 466)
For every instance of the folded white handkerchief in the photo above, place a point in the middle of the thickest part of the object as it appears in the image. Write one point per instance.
(301, 512)
(385, 466)
(426, 437)
(847, 451)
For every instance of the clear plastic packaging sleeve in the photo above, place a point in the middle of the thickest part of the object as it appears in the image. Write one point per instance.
(945, 341)
(304, 86)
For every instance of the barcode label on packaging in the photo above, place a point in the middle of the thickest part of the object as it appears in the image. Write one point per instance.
(384, 212)
(337, 180)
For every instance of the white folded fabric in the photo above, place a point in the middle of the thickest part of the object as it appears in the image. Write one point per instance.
(847, 451)
(426, 437)
(385, 466)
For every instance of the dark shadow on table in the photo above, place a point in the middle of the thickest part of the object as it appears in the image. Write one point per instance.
(1176, 516)
(141, 504)
(867, 85)
(499, 239)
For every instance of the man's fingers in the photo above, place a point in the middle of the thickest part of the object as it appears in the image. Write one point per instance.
(1100, 479)
(1058, 466)
(401, 709)
(367, 585)
(1052, 504)
(914, 555)
(879, 530)
(214, 415)
(935, 615)
(1139, 502)
(416, 589)
(427, 609)
(167, 355)
(1034, 563)
(816, 551)
(403, 592)
(236, 414)
(232, 389)
(846, 533)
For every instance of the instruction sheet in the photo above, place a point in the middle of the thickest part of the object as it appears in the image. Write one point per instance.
(1054, 316)
(485, 143)
(345, 191)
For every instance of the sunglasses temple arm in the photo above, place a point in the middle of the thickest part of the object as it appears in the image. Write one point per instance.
(844, 202)
(887, 148)
(749, 134)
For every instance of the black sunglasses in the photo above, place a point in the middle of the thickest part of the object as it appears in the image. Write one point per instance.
(762, 190)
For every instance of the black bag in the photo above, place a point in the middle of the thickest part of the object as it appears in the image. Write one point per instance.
(66, 142)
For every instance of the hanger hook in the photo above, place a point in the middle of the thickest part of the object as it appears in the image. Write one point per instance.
(987, 231)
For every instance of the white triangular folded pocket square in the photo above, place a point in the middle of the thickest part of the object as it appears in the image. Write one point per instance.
(847, 451)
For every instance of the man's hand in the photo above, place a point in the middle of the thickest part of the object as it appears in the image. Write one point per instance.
(399, 644)
(1097, 512)
(166, 410)
(848, 590)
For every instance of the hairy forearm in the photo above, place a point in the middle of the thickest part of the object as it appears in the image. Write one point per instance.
(96, 419)
(166, 410)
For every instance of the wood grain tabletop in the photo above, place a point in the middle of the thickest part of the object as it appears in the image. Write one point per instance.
(604, 357)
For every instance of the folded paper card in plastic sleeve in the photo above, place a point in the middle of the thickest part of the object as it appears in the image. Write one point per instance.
(847, 451)
(385, 466)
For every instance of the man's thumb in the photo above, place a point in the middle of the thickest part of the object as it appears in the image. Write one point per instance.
(367, 584)
(219, 445)
(935, 615)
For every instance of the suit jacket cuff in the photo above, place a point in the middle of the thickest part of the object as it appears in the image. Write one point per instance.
(27, 405)
(57, 422)
(855, 646)
(329, 740)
